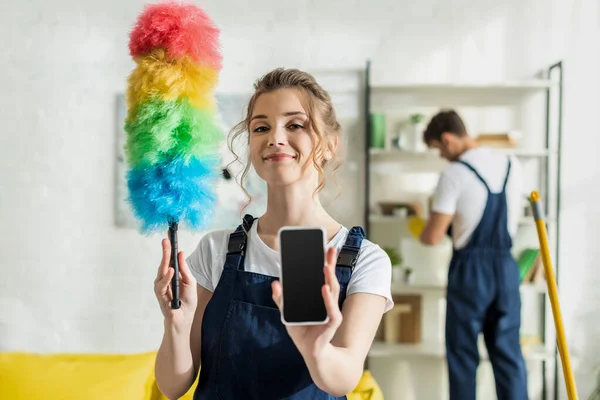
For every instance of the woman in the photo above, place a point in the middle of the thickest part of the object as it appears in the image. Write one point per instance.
(229, 325)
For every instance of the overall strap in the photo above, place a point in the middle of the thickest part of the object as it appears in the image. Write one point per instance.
(466, 164)
(507, 174)
(236, 247)
(348, 255)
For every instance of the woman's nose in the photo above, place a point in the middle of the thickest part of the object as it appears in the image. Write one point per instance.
(277, 137)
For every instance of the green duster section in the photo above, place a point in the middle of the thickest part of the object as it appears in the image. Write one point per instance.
(157, 128)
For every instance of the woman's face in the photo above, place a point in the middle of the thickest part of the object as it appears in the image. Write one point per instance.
(281, 139)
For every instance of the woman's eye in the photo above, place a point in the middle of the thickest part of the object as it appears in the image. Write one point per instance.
(295, 126)
(260, 129)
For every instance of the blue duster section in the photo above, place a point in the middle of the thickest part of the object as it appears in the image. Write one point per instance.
(174, 190)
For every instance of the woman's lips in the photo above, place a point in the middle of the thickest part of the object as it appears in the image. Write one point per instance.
(279, 157)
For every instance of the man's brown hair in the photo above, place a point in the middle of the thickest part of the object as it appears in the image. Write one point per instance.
(444, 121)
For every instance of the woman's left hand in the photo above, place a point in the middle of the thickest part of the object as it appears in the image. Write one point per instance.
(312, 340)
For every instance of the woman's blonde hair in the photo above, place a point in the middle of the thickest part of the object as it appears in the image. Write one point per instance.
(313, 98)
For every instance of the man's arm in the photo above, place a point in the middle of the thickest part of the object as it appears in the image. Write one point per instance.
(443, 208)
(436, 228)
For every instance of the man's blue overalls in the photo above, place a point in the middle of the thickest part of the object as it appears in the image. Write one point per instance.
(246, 351)
(483, 295)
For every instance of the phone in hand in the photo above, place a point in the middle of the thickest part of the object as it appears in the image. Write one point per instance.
(302, 252)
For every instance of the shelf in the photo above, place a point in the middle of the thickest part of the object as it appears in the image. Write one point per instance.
(406, 156)
(400, 288)
(386, 218)
(380, 349)
(528, 152)
(523, 86)
(540, 288)
(531, 221)
(395, 98)
(424, 349)
(397, 219)
(397, 154)
(406, 153)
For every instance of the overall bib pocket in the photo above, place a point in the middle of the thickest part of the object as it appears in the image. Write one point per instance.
(257, 359)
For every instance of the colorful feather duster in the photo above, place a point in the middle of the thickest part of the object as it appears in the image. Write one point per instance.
(173, 139)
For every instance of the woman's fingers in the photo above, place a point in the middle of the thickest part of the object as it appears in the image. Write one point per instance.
(331, 305)
(163, 284)
(330, 256)
(331, 289)
(185, 273)
(330, 277)
(165, 261)
(277, 291)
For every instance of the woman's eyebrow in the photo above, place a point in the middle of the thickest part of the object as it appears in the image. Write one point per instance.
(287, 114)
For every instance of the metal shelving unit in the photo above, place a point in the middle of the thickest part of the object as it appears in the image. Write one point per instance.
(549, 84)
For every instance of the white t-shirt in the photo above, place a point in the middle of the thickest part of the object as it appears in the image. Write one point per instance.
(461, 193)
(372, 272)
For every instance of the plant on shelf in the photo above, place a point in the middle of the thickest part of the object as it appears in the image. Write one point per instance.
(416, 118)
(396, 261)
(394, 255)
(414, 137)
(409, 276)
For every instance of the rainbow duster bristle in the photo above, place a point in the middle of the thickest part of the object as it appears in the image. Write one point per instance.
(183, 30)
(172, 189)
(173, 139)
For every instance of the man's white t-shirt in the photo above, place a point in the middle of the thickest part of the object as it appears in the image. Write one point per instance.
(372, 272)
(461, 193)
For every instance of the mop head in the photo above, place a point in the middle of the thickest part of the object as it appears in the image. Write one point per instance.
(173, 138)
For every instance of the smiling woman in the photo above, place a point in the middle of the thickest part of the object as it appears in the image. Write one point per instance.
(294, 100)
(230, 325)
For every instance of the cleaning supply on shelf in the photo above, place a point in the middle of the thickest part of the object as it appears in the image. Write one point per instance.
(378, 130)
(526, 261)
(416, 225)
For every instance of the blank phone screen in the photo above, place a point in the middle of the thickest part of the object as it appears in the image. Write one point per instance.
(302, 262)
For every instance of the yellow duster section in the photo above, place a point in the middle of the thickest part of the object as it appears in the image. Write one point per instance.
(160, 77)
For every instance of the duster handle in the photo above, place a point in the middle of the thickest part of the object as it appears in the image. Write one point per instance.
(175, 302)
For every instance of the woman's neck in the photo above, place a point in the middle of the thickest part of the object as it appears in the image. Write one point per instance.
(295, 205)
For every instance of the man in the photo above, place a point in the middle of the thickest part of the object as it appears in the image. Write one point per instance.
(479, 196)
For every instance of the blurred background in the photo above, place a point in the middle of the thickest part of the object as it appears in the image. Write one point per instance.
(77, 276)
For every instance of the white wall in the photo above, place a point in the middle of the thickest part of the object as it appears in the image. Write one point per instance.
(72, 281)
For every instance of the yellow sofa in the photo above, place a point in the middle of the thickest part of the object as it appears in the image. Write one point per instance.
(27, 376)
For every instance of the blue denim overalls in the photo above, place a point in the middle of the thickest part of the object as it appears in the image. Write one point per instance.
(246, 351)
(483, 295)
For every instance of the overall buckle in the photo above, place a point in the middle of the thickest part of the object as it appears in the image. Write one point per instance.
(347, 257)
(237, 243)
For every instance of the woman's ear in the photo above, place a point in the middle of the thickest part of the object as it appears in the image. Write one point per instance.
(332, 146)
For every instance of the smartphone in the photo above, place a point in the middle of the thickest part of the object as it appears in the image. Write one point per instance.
(302, 252)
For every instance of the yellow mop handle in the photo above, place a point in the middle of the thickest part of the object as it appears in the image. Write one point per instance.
(536, 206)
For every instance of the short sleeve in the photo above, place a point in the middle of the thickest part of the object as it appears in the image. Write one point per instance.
(516, 177)
(200, 263)
(447, 192)
(372, 274)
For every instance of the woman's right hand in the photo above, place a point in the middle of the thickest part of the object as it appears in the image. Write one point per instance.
(182, 318)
